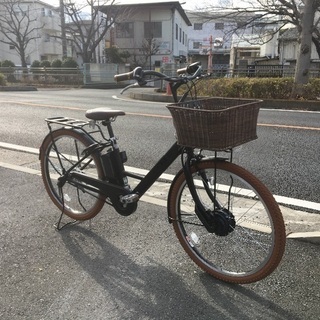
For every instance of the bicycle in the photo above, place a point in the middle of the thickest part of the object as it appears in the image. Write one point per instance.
(226, 220)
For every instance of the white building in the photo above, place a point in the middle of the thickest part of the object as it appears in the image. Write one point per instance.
(209, 41)
(164, 23)
(45, 25)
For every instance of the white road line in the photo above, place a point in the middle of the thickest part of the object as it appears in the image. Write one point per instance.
(20, 168)
(168, 177)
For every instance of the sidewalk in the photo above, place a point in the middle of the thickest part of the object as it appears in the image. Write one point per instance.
(150, 94)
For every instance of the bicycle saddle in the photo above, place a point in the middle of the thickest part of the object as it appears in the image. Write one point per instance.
(103, 114)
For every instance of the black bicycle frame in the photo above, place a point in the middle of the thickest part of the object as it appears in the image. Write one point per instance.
(116, 189)
(112, 190)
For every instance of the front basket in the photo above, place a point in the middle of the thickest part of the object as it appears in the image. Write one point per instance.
(215, 123)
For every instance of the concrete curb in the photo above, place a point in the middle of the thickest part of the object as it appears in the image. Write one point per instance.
(149, 94)
(312, 237)
(26, 88)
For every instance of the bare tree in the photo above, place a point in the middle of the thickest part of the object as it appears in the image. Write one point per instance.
(298, 13)
(18, 26)
(149, 48)
(86, 29)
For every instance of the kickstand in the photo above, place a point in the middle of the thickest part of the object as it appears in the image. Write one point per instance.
(58, 225)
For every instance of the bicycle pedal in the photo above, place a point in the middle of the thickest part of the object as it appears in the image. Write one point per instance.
(130, 198)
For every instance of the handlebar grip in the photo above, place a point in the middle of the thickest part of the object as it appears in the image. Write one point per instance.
(182, 70)
(190, 69)
(123, 76)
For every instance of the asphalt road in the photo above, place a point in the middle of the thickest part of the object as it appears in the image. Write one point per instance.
(285, 156)
(116, 267)
(129, 268)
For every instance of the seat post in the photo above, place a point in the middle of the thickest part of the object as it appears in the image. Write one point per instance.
(107, 123)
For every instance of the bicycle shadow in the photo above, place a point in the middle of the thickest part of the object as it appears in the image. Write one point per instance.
(138, 291)
(152, 291)
(260, 307)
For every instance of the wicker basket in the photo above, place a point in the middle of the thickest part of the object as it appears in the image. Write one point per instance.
(216, 123)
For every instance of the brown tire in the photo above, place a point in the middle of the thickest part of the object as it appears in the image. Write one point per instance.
(58, 152)
(254, 247)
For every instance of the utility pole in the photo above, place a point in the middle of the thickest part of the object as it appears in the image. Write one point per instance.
(63, 31)
(210, 56)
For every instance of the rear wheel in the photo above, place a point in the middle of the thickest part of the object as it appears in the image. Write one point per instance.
(59, 152)
(254, 245)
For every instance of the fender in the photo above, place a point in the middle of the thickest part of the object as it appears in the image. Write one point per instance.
(193, 168)
(78, 131)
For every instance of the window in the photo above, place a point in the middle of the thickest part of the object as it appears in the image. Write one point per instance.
(124, 30)
(245, 54)
(46, 12)
(183, 37)
(152, 30)
(197, 26)
(219, 26)
(11, 47)
(197, 45)
(177, 32)
(180, 34)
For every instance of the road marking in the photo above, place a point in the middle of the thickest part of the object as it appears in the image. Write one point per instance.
(44, 105)
(157, 115)
(164, 177)
(288, 127)
(20, 168)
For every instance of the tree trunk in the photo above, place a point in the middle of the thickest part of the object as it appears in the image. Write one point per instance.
(301, 76)
(23, 58)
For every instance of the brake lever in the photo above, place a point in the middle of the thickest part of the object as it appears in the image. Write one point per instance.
(136, 84)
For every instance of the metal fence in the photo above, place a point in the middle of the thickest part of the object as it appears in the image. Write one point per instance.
(42, 76)
(261, 71)
(92, 74)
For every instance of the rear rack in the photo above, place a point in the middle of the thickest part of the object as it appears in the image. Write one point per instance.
(70, 122)
(91, 125)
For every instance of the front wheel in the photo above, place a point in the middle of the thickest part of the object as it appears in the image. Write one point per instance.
(255, 243)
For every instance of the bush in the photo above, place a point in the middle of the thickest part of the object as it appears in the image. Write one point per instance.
(35, 69)
(2, 80)
(45, 64)
(69, 63)
(7, 68)
(256, 88)
(57, 63)
(35, 64)
(7, 64)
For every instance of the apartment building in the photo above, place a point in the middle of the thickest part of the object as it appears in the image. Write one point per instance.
(154, 33)
(209, 41)
(44, 25)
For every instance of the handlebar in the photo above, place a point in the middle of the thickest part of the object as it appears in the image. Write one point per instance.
(190, 72)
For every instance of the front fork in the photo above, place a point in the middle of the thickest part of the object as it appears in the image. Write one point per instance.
(218, 220)
(204, 215)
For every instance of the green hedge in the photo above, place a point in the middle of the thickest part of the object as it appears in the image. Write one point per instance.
(256, 88)
(2, 80)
